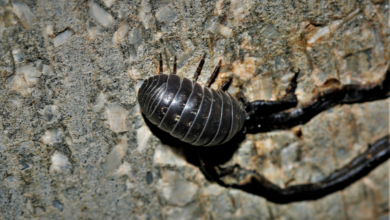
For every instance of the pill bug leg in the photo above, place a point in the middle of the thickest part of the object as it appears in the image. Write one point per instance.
(225, 85)
(249, 108)
(160, 65)
(174, 65)
(254, 183)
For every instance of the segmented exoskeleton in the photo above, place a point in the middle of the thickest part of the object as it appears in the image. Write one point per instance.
(198, 115)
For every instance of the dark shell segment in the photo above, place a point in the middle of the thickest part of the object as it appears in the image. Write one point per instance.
(189, 113)
(173, 114)
(201, 117)
(172, 87)
(225, 121)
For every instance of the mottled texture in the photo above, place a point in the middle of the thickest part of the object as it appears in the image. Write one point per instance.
(73, 144)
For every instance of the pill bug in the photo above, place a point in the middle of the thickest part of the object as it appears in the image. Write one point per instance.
(196, 114)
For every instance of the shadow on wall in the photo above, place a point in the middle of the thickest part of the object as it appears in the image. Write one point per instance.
(218, 155)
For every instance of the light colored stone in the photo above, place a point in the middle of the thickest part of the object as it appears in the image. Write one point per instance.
(59, 162)
(49, 30)
(190, 212)
(100, 101)
(163, 155)
(134, 73)
(24, 14)
(24, 80)
(53, 136)
(175, 189)
(123, 169)
(17, 102)
(109, 3)
(212, 190)
(240, 9)
(116, 117)
(62, 38)
(50, 113)
(18, 55)
(100, 15)
(165, 14)
(143, 135)
(121, 33)
(113, 160)
(323, 32)
(94, 31)
(145, 14)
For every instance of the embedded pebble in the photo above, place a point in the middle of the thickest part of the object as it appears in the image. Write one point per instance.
(165, 14)
(61, 38)
(50, 112)
(121, 33)
(175, 189)
(145, 15)
(143, 135)
(129, 185)
(269, 31)
(135, 36)
(134, 73)
(123, 169)
(163, 155)
(116, 117)
(59, 162)
(121, 13)
(1, 144)
(149, 177)
(135, 111)
(113, 160)
(101, 99)
(24, 14)
(11, 178)
(39, 65)
(53, 136)
(219, 7)
(24, 79)
(288, 156)
(49, 30)
(240, 9)
(58, 205)
(109, 3)
(212, 189)
(18, 55)
(46, 69)
(16, 101)
(191, 211)
(321, 33)
(100, 15)
(225, 31)
(93, 31)
(245, 70)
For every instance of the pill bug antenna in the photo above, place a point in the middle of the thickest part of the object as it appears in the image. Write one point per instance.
(160, 63)
(199, 69)
(214, 75)
(174, 65)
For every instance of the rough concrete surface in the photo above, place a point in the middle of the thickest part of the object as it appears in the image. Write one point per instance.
(73, 144)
